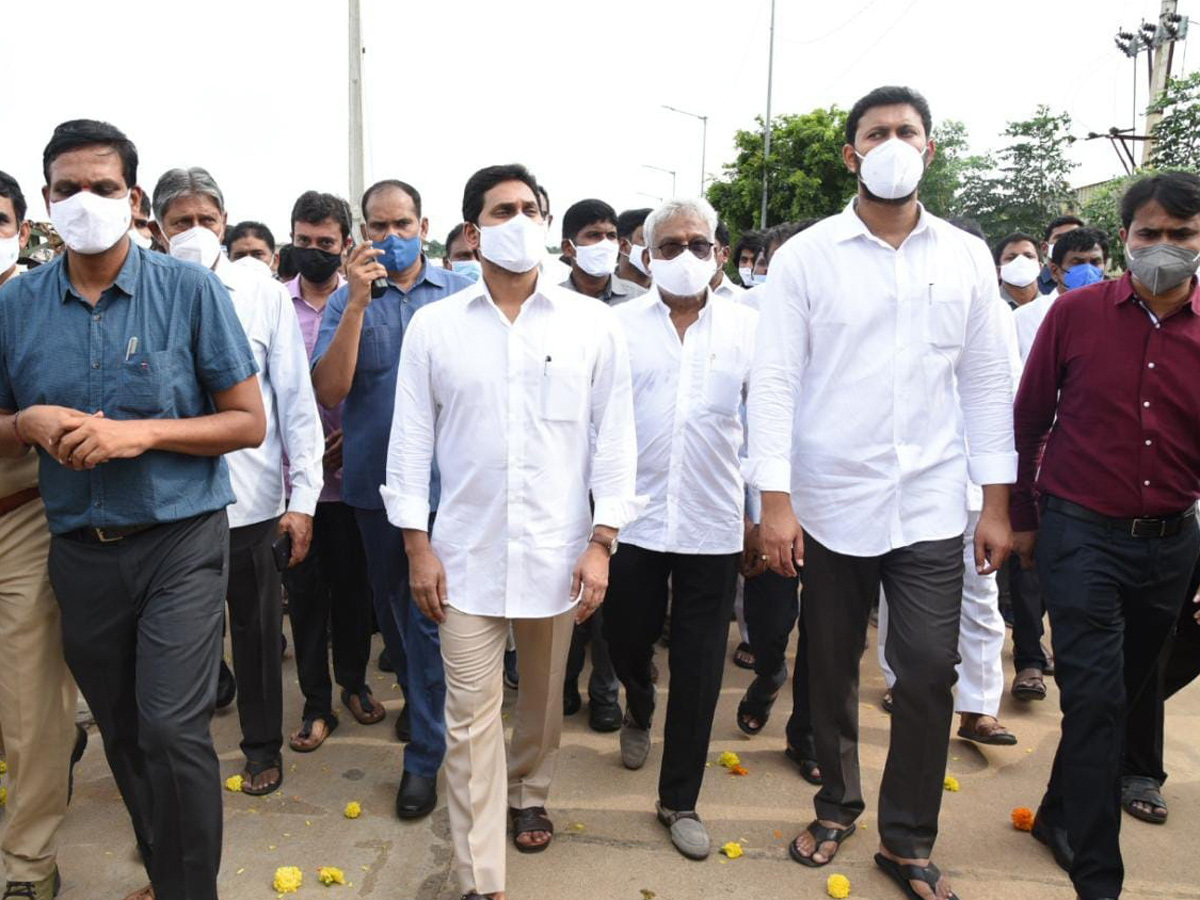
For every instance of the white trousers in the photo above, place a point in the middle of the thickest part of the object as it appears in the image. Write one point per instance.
(980, 637)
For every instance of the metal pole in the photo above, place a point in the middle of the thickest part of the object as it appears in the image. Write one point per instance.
(1160, 72)
(762, 222)
(356, 52)
(703, 151)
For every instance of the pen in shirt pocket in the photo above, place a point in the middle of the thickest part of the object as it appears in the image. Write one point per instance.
(131, 348)
(546, 365)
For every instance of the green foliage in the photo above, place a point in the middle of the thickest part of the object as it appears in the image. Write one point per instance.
(1102, 210)
(943, 175)
(435, 249)
(1177, 133)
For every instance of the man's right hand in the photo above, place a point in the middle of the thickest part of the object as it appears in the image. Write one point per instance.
(332, 459)
(363, 268)
(46, 425)
(427, 578)
(1023, 544)
(780, 537)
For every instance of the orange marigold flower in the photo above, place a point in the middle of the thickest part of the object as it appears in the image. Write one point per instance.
(1022, 818)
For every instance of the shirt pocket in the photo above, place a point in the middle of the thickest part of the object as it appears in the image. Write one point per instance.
(946, 316)
(564, 392)
(144, 386)
(723, 391)
(379, 348)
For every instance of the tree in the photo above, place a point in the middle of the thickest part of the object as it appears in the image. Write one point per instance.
(1103, 210)
(944, 175)
(435, 249)
(1177, 133)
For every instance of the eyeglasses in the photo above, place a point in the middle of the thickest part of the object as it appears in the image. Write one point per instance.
(701, 249)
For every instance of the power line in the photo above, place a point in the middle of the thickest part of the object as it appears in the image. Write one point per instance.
(870, 47)
(829, 34)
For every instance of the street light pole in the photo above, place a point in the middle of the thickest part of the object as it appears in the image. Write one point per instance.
(356, 105)
(670, 172)
(762, 222)
(703, 140)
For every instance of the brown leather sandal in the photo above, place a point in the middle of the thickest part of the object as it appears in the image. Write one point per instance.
(1029, 687)
(987, 730)
(363, 706)
(313, 733)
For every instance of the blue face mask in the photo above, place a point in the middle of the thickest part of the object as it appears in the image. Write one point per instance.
(398, 253)
(1082, 275)
(468, 267)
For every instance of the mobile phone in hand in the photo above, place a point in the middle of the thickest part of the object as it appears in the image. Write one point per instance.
(282, 551)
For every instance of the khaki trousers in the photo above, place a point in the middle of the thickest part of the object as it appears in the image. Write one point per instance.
(473, 654)
(37, 698)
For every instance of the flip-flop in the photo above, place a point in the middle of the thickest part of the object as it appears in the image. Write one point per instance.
(757, 703)
(528, 820)
(253, 770)
(331, 723)
(1143, 789)
(822, 835)
(903, 874)
(743, 656)
(809, 768)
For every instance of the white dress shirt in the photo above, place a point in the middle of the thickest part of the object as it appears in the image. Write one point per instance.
(728, 289)
(525, 417)
(752, 296)
(687, 399)
(876, 369)
(264, 308)
(1029, 319)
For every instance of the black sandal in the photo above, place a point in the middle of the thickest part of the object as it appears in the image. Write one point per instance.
(903, 874)
(527, 820)
(1143, 789)
(810, 769)
(743, 656)
(253, 770)
(298, 741)
(821, 835)
(757, 703)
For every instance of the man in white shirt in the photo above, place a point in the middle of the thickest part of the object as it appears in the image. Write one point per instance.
(1080, 258)
(690, 353)
(522, 389)
(880, 361)
(1017, 266)
(189, 212)
(589, 244)
(631, 265)
(722, 285)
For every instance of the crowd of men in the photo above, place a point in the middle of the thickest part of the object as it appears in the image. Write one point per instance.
(505, 459)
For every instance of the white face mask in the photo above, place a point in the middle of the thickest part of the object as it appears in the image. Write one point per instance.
(1020, 271)
(746, 275)
(517, 245)
(89, 223)
(635, 258)
(257, 266)
(197, 245)
(139, 239)
(597, 259)
(684, 276)
(892, 170)
(10, 249)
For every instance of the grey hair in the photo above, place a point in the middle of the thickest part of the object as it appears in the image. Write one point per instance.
(691, 206)
(191, 182)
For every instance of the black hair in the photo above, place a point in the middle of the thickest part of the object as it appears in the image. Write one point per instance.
(584, 213)
(1015, 238)
(722, 233)
(889, 95)
(1079, 240)
(1059, 223)
(285, 269)
(486, 179)
(970, 226)
(454, 235)
(89, 133)
(314, 207)
(250, 229)
(1177, 192)
(778, 235)
(750, 240)
(10, 189)
(543, 200)
(391, 183)
(144, 206)
(630, 221)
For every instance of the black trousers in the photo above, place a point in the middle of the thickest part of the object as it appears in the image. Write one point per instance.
(255, 598)
(141, 621)
(702, 591)
(330, 602)
(1177, 668)
(1028, 612)
(772, 606)
(603, 687)
(924, 592)
(1113, 600)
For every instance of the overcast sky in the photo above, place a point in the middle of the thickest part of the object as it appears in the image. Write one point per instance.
(256, 91)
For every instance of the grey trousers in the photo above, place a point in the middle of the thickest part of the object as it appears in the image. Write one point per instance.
(924, 590)
(141, 622)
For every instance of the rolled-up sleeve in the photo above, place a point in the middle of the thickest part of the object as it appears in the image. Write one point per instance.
(781, 353)
(985, 380)
(405, 491)
(614, 453)
(222, 352)
(296, 406)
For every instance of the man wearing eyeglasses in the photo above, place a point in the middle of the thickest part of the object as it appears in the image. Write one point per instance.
(690, 353)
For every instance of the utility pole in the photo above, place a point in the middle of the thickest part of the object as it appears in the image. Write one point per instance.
(356, 51)
(1160, 71)
(762, 221)
(1157, 41)
(703, 140)
(670, 172)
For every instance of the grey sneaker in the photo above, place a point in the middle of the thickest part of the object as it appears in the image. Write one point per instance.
(688, 833)
(635, 744)
(46, 889)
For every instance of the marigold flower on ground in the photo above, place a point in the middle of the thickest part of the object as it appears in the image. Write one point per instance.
(728, 759)
(3, 796)
(233, 783)
(738, 770)
(3, 767)
(288, 879)
(951, 784)
(1022, 818)
(838, 887)
(331, 875)
(353, 810)
(732, 850)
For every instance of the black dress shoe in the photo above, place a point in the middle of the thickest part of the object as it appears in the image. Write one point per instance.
(417, 796)
(1054, 837)
(226, 686)
(604, 718)
(403, 731)
(572, 702)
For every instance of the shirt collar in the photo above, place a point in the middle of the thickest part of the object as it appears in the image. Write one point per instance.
(1124, 293)
(294, 289)
(544, 291)
(849, 225)
(653, 298)
(126, 280)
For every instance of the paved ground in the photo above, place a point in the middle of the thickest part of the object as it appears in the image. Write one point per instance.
(609, 845)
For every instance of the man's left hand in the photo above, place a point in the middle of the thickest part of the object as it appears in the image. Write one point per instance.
(299, 526)
(751, 564)
(993, 541)
(97, 440)
(591, 574)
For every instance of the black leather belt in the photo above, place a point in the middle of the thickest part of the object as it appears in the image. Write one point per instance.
(106, 535)
(1142, 527)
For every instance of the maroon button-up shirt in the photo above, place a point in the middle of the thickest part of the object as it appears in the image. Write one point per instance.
(1112, 397)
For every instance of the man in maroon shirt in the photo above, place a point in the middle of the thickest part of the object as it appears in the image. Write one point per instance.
(1108, 406)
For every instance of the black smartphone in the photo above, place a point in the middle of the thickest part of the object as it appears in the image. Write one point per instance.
(282, 551)
(379, 285)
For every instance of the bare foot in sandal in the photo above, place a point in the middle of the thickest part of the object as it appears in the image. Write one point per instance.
(919, 887)
(807, 847)
(312, 734)
(146, 893)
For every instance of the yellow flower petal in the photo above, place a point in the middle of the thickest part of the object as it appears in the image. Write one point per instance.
(288, 879)
(951, 784)
(328, 875)
(353, 810)
(234, 783)
(3, 796)
(732, 850)
(3, 767)
(838, 887)
(728, 759)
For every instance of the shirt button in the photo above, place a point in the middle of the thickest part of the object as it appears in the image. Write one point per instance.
(1146, 483)
(96, 317)
(1145, 403)
(95, 365)
(97, 504)
(1149, 365)
(1149, 442)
